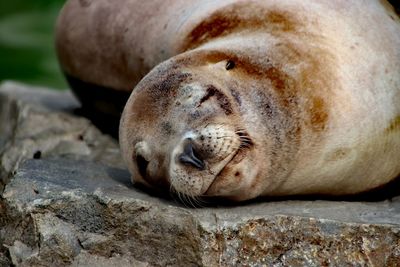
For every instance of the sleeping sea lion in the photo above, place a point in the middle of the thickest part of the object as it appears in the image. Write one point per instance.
(241, 99)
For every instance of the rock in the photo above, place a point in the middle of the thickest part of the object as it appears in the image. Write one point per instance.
(75, 206)
(63, 208)
(37, 122)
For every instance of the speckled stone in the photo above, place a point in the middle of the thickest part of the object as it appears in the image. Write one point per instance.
(62, 208)
(40, 123)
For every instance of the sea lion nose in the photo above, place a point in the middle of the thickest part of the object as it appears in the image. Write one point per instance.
(189, 156)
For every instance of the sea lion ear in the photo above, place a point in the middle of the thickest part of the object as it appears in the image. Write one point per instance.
(230, 64)
(142, 155)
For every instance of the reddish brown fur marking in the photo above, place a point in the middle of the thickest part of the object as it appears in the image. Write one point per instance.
(238, 17)
(394, 125)
(338, 154)
(315, 80)
(319, 115)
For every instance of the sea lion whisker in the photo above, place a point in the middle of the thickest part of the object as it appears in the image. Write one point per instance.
(245, 143)
(184, 200)
(195, 203)
(246, 140)
(180, 197)
(189, 198)
(227, 137)
(199, 201)
(174, 195)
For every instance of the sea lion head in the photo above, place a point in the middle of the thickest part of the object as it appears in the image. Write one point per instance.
(182, 130)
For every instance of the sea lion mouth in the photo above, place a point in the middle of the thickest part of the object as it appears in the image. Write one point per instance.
(240, 154)
(201, 155)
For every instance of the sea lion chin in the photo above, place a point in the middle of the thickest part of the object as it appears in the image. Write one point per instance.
(241, 99)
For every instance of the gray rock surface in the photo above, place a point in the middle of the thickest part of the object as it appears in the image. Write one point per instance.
(37, 122)
(75, 206)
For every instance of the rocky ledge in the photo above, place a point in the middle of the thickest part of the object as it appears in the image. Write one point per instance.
(66, 200)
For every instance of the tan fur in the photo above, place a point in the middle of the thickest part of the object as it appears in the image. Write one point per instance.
(312, 102)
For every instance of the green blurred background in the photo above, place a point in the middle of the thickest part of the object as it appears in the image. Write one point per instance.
(27, 42)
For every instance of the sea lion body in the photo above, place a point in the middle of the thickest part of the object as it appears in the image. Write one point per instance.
(246, 98)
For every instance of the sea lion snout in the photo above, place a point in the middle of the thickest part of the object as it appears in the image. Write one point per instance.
(190, 157)
(200, 156)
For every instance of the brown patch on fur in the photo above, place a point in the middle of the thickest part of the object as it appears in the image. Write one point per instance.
(338, 154)
(318, 112)
(238, 17)
(315, 82)
(278, 79)
(394, 125)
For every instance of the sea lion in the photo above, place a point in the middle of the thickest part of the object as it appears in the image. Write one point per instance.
(241, 99)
